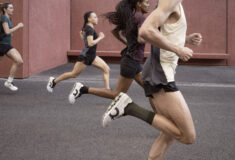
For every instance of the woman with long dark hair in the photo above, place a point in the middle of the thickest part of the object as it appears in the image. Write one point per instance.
(165, 29)
(128, 18)
(7, 29)
(88, 55)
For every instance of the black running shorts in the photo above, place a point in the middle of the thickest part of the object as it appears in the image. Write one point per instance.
(151, 89)
(130, 67)
(4, 48)
(87, 60)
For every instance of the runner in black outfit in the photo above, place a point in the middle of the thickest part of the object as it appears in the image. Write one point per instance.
(88, 55)
(128, 18)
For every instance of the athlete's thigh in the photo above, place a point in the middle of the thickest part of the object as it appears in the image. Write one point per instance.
(79, 67)
(173, 106)
(14, 55)
(138, 79)
(123, 84)
(100, 63)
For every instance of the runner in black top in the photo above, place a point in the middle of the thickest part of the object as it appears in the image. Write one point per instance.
(88, 55)
(7, 29)
(127, 18)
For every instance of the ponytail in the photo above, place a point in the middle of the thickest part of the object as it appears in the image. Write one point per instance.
(86, 17)
(123, 17)
(4, 6)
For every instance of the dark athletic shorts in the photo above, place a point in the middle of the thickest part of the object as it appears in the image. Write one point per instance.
(151, 89)
(4, 48)
(88, 60)
(130, 67)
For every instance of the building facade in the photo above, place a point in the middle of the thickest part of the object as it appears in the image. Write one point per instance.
(51, 32)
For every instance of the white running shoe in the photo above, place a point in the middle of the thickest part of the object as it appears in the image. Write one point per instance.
(11, 86)
(116, 108)
(50, 84)
(75, 92)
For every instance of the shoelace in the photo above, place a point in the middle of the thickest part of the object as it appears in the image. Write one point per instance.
(114, 102)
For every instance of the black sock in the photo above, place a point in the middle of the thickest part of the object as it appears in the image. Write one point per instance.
(136, 111)
(53, 85)
(84, 90)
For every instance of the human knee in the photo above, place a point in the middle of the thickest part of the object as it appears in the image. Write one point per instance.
(74, 74)
(19, 62)
(154, 156)
(106, 70)
(189, 138)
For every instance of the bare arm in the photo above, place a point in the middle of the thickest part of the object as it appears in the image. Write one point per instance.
(81, 35)
(140, 39)
(157, 18)
(92, 42)
(116, 33)
(8, 30)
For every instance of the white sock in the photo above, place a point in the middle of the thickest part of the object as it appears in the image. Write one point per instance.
(10, 79)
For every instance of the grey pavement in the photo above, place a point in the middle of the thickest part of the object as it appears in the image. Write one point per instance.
(37, 125)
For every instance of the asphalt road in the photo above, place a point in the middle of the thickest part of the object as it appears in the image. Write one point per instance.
(37, 125)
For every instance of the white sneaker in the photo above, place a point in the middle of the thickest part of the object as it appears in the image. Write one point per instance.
(50, 84)
(75, 92)
(116, 109)
(10, 86)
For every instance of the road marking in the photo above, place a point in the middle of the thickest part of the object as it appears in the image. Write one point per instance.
(99, 80)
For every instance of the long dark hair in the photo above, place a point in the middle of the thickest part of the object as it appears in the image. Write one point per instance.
(4, 6)
(86, 17)
(123, 17)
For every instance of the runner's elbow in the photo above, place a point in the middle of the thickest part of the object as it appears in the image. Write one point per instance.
(142, 32)
(8, 32)
(90, 44)
(145, 32)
